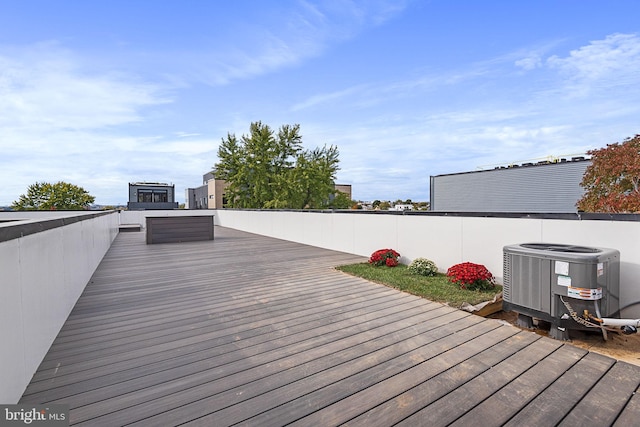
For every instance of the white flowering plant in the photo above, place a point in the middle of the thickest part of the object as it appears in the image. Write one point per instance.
(423, 267)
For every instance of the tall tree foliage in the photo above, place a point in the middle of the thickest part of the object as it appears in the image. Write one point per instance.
(59, 196)
(612, 181)
(265, 169)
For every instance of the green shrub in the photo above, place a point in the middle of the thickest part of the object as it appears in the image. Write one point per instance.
(423, 267)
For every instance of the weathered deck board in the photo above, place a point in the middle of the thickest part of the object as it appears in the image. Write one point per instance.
(250, 330)
(550, 406)
(506, 402)
(434, 387)
(458, 402)
(261, 330)
(607, 398)
(351, 406)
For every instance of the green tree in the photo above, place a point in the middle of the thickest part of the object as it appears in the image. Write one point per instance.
(422, 206)
(230, 154)
(612, 180)
(271, 170)
(384, 206)
(43, 196)
(312, 178)
(341, 201)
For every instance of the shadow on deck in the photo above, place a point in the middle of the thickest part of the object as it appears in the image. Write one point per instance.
(251, 330)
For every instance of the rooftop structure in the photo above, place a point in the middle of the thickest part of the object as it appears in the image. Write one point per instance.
(151, 195)
(542, 187)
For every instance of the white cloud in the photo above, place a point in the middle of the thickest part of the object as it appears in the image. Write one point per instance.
(45, 87)
(185, 134)
(534, 60)
(109, 163)
(532, 57)
(371, 94)
(56, 116)
(600, 58)
(284, 39)
(327, 98)
(601, 65)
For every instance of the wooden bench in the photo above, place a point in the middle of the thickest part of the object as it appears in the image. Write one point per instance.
(130, 227)
(175, 229)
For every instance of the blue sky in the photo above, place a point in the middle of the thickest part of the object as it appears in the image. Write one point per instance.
(102, 93)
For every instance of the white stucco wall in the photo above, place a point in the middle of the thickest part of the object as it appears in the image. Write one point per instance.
(139, 217)
(41, 277)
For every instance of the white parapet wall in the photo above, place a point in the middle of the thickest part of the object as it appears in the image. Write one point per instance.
(46, 260)
(140, 217)
(448, 239)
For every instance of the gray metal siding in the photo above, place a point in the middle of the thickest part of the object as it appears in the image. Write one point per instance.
(551, 188)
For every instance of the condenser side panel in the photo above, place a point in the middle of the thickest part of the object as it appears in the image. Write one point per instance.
(608, 271)
(530, 282)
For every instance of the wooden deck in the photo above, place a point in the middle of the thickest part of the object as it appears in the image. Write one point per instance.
(250, 330)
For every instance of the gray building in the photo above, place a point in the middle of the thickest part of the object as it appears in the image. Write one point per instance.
(151, 195)
(544, 187)
(198, 197)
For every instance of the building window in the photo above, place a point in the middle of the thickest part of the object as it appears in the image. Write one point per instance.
(152, 196)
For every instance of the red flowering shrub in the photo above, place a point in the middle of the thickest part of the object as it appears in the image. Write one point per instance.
(471, 276)
(387, 257)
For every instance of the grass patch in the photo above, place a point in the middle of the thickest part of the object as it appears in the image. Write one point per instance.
(436, 288)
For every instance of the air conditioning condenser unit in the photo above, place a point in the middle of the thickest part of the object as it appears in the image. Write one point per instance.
(569, 286)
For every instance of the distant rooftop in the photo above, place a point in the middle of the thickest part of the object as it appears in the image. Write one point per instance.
(164, 184)
(525, 164)
(549, 160)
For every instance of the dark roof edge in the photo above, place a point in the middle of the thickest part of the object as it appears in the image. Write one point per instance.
(576, 216)
(515, 167)
(20, 228)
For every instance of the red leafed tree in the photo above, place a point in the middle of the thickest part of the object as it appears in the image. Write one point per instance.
(612, 181)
